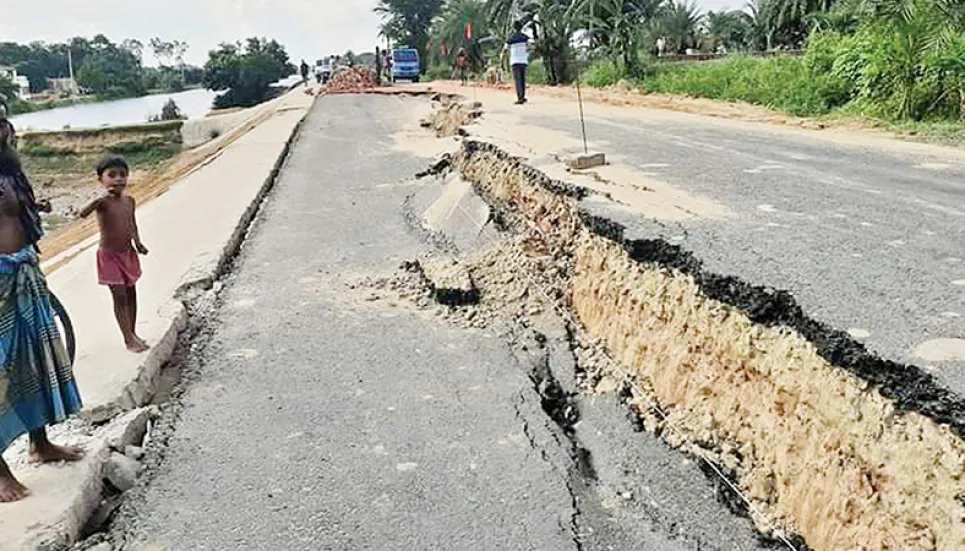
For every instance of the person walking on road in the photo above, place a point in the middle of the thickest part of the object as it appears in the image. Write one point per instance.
(304, 69)
(518, 46)
(37, 386)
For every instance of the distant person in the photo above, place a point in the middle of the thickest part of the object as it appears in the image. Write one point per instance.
(118, 266)
(35, 372)
(661, 46)
(378, 66)
(518, 46)
(461, 68)
(388, 66)
(304, 71)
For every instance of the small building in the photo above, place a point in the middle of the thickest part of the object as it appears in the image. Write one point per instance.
(64, 86)
(23, 85)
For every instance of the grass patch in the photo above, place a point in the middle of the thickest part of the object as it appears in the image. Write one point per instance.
(781, 83)
(35, 149)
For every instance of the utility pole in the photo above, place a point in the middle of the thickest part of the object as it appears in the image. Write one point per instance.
(70, 69)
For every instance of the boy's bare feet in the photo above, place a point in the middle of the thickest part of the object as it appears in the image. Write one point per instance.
(11, 489)
(137, 346)
(47, 452)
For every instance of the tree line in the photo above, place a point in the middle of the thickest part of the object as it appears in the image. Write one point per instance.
(102, 67)
(243, 71)
(900, 59)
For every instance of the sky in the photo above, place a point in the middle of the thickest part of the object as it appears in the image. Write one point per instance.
(309, 29)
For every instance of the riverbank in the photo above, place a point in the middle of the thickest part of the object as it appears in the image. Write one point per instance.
(61, 164)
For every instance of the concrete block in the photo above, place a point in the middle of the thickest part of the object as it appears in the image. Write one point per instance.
(122, 471)
(450, 280)
(583, 162)
(128, 429)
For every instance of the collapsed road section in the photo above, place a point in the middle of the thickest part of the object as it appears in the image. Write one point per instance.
(824, 440)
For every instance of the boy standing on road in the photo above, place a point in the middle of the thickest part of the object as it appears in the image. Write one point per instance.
(518, 46)
(118, 266)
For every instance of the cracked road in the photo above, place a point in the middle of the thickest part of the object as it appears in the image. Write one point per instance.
(321, 421)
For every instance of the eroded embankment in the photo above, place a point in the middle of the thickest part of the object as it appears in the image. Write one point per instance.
(847, 450)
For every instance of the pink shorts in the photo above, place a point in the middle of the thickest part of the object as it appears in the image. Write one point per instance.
(118, 268)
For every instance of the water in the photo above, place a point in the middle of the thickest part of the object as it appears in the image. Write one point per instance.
(193, 103)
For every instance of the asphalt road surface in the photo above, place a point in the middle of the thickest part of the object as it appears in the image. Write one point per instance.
(321, 422)
(869, 238)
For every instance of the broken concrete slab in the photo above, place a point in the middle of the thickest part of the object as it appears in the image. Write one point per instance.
(122, 471)
(128, 429)
(450, 280)
(456, 213)
(64, 497)
(590, 160)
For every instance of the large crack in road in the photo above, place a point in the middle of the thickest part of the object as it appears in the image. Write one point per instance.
(359, 412)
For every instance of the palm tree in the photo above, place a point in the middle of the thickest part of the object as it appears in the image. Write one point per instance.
(763, 21)
(679, 23)
(449, 28)
(618, 25)
(731, 29)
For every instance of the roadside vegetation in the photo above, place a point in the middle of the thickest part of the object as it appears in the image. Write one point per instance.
(245, 72)
(897, 63)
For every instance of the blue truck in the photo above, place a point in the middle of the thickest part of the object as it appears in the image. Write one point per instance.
(406, 64)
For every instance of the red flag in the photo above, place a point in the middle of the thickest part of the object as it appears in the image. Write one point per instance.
(469, 31)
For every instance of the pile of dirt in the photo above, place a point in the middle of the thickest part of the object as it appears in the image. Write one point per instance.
(352, 81)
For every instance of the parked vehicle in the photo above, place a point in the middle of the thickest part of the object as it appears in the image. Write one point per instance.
(406, 64)
(323, 70)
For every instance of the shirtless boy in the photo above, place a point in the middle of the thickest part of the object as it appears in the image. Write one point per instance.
(118, 265)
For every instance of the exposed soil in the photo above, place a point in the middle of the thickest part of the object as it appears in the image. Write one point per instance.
(829, 441)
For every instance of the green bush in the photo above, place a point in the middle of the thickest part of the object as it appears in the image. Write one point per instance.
(438, 71)
(602, 72)
(780, 83)
(140, 146)
(536, 73)
(34, 149)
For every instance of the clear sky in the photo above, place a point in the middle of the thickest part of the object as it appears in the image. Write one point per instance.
(309, 29)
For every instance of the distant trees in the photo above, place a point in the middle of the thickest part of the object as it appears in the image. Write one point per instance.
(246, 71)
(171, 67)
(110, 70)
(101, 66)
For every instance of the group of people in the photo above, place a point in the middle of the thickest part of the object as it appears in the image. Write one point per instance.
(37, 385)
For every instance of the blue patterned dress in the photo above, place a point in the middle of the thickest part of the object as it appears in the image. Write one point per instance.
(37, 386)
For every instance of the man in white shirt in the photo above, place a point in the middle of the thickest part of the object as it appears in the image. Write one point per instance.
(518, 46)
